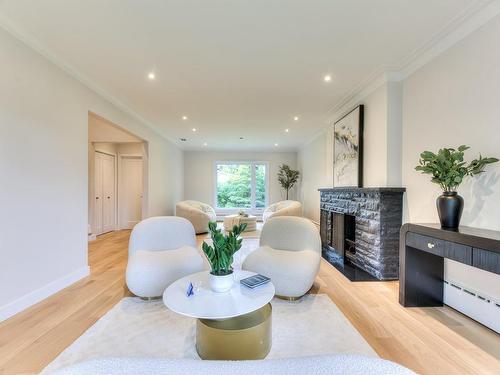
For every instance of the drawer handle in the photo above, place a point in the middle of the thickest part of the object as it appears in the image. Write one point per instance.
(430, 245)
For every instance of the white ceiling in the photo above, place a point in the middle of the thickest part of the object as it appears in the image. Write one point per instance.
(236, 68)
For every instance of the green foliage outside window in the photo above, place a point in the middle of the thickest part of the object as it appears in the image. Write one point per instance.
(234, 185)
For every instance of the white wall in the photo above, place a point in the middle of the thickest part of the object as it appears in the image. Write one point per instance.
(455, 100)
(43, 164)
(312, 164)
(199, 172)
(381, 151)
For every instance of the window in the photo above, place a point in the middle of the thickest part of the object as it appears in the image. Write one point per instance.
(241, 185)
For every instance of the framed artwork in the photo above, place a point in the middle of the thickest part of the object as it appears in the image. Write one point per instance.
(348, 150)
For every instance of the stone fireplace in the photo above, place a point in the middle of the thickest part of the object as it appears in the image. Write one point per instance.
(360, 231)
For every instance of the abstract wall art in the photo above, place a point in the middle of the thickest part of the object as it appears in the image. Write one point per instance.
(348, 149)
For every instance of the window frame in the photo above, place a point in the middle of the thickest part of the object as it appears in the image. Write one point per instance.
(252, 210)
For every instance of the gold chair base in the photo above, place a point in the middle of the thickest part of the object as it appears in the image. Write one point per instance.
(150, 298)
(241, 338)
(291, 299)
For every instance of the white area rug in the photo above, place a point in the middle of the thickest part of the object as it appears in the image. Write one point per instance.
(135, 328)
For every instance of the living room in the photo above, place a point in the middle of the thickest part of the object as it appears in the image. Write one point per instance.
(346, 151)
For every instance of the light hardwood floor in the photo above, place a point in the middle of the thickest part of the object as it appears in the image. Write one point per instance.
(427, 340)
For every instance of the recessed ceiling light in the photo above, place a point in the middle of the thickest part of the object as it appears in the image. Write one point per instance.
(205, 144)
(296, 118)
(151, 76)
(287, 130)
(327, 78)
(183, 139)
(194, 129)
(275, 145)
(184, 117)
(241, 138)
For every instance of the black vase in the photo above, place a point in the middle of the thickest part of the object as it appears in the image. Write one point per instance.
(450, 206)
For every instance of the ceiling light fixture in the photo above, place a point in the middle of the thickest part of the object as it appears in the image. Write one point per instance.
(275, 145)
(205, 144)
(296, 118)
(327, 78)
(241, 138)
(194, 129)
(287, 130)
(151, 76)
(184, 118)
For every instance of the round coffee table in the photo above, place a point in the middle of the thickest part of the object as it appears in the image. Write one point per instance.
(235, 325)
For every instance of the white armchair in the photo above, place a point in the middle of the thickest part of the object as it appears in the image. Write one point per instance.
(198, 213)
(283, 208)
(289, 253)
(161, 250)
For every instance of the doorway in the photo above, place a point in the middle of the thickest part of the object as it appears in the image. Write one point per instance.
(117, 178)
(131, 187)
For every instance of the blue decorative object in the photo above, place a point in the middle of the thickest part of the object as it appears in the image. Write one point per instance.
(190, 290)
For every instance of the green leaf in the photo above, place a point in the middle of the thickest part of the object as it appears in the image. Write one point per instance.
(220, 254)
(448, 168)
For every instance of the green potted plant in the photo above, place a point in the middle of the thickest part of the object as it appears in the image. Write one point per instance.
(287, 178)
(220, 255)
(448, 170)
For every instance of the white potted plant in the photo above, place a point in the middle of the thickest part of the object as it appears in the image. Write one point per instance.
(220, 256)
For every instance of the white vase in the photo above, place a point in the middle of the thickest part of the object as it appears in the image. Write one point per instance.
(221, 284)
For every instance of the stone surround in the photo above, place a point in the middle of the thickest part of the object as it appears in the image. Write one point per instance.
(378, 218)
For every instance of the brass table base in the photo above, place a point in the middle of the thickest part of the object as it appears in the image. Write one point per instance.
(243, 337)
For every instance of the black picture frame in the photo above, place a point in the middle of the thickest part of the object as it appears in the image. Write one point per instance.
(353, 118)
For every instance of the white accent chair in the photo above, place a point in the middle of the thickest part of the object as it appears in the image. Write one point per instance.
(289, 253)
(283, 208)
(161, 250)
(198, 213)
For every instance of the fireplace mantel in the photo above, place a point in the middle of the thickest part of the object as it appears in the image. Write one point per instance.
(388, 190)
(377, 213)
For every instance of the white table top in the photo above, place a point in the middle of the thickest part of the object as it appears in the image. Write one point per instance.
(234, 216)
(206, 304)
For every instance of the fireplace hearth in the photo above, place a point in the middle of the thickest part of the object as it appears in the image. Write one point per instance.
(360, 231)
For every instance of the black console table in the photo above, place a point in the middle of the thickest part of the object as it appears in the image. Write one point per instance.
(422, 250)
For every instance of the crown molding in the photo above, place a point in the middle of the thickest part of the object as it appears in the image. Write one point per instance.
(25, 37)
(473, 18)
(465, 23)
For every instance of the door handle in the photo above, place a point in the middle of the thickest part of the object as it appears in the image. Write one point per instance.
(109, 197)
(96, 197)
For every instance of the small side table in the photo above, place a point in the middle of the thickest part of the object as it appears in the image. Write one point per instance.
(232, 220)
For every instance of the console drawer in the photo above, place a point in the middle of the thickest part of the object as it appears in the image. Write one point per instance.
(425, 243)
(486, 260)
(458, 252)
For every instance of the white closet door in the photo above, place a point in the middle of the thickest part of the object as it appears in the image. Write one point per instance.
(98, 193)
(105, 211)
(108, 191)
(130, 191)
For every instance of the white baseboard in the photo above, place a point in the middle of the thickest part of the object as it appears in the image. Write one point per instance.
(40, 294)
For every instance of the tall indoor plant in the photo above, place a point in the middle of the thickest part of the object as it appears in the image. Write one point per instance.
(287, 178)
(448, 170)
(220, 255)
